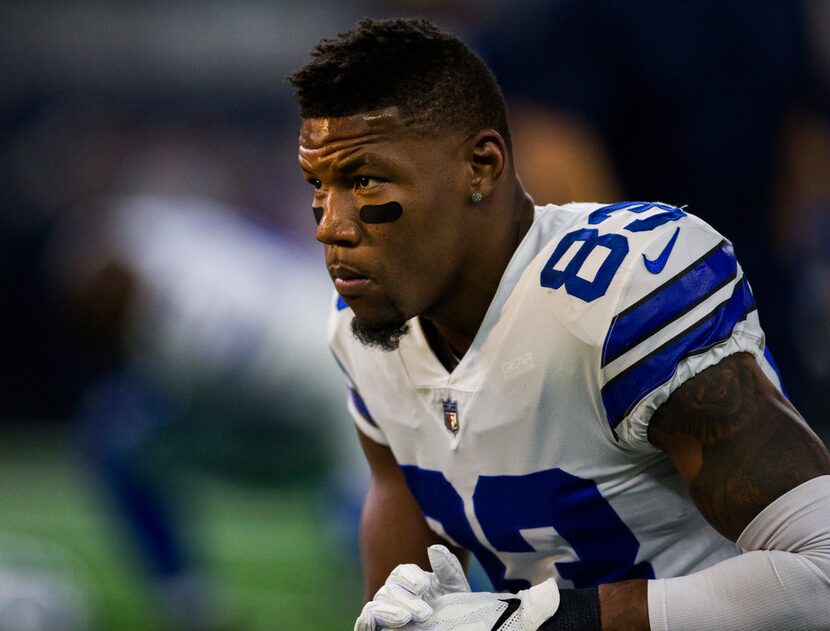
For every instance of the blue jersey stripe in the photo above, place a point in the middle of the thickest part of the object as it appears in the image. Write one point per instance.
(623, 392)
(768, 356)
(342, 367)
(360, 405)
(670, 301)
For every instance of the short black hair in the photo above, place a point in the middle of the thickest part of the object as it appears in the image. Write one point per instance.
(433, 77)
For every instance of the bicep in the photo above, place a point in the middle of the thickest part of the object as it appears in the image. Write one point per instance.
(392, 528)
(737, 442)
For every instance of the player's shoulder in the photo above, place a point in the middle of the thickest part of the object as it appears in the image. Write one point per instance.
(588, 246)
(342, 343)
(347, 349)
(638, 221)
(648, 287)
(596, 260)
(340, 317)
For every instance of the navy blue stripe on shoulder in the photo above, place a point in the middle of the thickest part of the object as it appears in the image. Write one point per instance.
(768, 357)
(360, 406)
(341, 367)
(623, 392)
(670, 301)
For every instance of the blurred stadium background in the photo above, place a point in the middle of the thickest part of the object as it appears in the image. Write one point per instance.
(173, 448)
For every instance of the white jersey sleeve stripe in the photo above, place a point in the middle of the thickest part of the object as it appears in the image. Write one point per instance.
(622, 393)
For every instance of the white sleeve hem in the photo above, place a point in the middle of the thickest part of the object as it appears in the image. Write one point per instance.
(633, 430)
(367, 428)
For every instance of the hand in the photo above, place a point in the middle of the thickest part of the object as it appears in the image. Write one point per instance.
(485, 611)
(409, 591)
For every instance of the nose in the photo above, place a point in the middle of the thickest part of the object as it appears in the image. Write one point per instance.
(339, 225)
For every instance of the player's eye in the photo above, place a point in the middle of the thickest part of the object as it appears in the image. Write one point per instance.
(365, 181)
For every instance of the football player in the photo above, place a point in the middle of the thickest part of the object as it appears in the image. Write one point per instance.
(212, 321)
(580, 395)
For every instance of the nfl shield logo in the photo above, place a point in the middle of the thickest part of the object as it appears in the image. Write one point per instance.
(451, 415)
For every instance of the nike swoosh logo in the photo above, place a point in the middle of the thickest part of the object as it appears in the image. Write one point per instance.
(655, 266)
(512, 605)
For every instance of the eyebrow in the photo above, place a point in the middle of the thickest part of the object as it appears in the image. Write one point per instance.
(350, 165)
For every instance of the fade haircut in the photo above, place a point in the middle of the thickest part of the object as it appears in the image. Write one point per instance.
(433, 77)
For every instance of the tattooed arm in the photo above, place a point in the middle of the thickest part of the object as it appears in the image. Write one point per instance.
(737, 442)
(739, 446)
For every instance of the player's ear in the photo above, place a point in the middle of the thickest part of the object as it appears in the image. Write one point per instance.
(488, 161)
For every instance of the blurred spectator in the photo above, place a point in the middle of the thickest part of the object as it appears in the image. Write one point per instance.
(683, 102)
(213, 329)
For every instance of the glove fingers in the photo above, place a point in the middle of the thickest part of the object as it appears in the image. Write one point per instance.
(365, 621)
(399, 606)
(448, 570)
(541, 602)
(411, 578)
(382, 614)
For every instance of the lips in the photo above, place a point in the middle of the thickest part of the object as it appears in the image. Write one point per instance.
(345, 273)
(348, 281)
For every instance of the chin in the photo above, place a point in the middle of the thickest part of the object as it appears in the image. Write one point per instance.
(385, 335)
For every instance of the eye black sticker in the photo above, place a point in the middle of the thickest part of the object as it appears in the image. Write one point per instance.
(383, 213)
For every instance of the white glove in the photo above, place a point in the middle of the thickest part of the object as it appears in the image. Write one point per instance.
(409, 591)
(485, 611)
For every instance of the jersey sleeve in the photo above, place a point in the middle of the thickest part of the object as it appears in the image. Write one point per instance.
(684, 305)
(341, 343)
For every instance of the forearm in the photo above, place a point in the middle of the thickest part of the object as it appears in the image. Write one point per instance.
(759, 590)
(778, 591)
(624, 606)
(392, 528)
(613, 606)
(782, 582)
(392, 531)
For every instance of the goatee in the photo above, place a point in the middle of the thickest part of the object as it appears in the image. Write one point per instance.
(386, 335)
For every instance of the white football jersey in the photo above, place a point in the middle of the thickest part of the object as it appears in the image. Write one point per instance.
(532, 453)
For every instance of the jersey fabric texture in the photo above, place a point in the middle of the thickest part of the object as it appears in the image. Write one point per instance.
(533, 452)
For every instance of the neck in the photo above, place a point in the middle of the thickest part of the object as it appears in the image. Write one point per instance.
(459, 321)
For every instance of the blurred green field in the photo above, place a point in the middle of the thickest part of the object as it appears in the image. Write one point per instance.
(270, 550)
